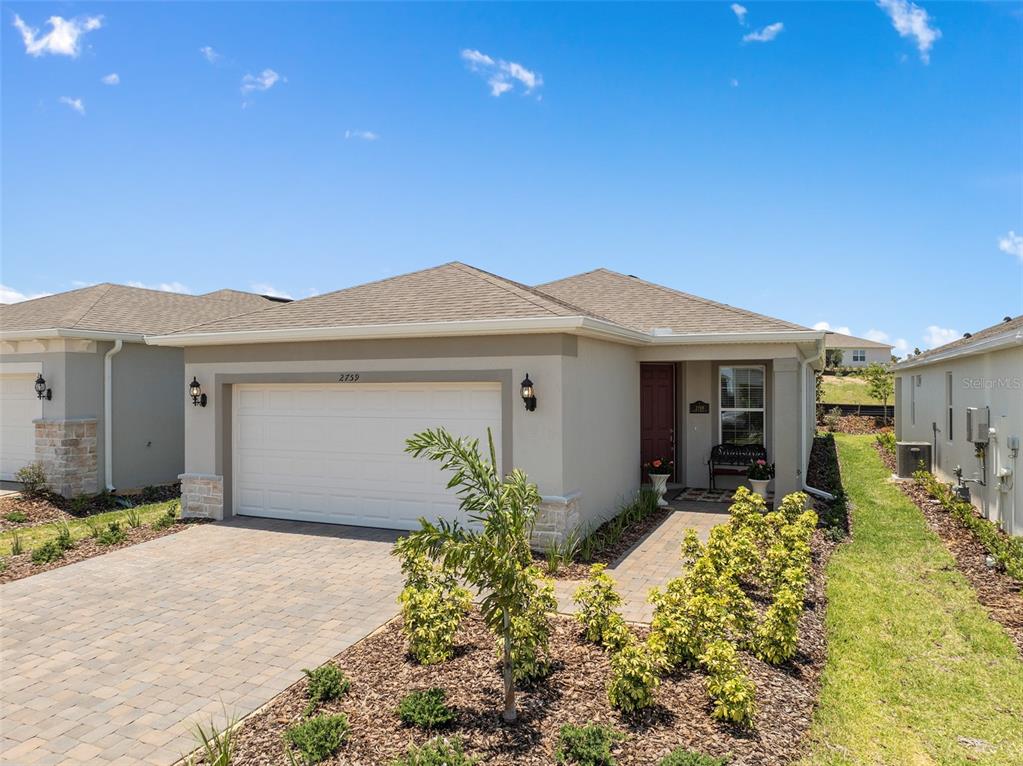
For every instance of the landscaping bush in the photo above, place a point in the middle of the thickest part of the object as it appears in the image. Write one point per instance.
(432, 607)
(327, 682)
(531, 631)
(436, 752)
(64, 538)
(316, 739)
(17, 544)
(47, 552)
(33, 480)
(728, 685)
(683, 757)
(587, 745)
(167, 519)
(833, 419)
(635, 674)
(886, 441)
(426, 709)
(776, 635)
(112, 535)
(16, 517)
(150, 494)
(133, 518)
(598, 603)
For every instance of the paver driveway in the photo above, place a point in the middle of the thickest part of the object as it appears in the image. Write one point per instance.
(108, 659)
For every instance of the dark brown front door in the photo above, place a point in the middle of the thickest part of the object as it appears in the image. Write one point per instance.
(656, 412)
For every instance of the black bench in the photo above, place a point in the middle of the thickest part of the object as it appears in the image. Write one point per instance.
(733, 459)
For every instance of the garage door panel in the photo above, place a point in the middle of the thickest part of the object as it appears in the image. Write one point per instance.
(19, 406)
(316, 452)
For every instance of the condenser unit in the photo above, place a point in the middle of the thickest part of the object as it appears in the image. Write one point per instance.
(911, 457)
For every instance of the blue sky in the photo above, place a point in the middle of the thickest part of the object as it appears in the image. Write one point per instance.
(811, 161)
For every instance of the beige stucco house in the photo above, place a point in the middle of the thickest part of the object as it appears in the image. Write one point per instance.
(110, 411)
(309, 403)
(858, 352)
(971, 381)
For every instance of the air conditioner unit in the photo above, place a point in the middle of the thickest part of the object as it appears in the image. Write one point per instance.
(909, 456)
(978, 421)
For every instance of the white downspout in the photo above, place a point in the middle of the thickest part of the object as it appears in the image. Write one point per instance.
(108, 416)
(804, 454)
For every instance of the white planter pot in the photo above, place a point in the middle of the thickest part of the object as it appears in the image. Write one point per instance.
(760, 486)
(660, 482)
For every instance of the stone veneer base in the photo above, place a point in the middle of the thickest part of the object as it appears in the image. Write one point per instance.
(555, 519)
(66, 449)
(202, 496)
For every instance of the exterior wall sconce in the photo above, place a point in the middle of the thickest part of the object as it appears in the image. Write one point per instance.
(528, 394)
(195, 391)
(41, 390)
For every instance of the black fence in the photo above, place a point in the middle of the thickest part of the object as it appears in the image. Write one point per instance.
(869, 410)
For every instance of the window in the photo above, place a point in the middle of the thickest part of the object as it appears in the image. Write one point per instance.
(741, 405)
(859, 355)
(914, 381)
(948, 406)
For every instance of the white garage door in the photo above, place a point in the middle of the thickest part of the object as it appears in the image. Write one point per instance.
(335, 453)
(19, 406)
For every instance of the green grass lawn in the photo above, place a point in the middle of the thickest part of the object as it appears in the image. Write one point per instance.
(914, 663)
(847, 390)
(33, 537)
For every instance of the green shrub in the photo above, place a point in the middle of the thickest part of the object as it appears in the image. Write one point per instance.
(432, 607)
(150, 494)
(731, 689)
(33, 480)
(436, 752)
(558, 554)
(598, 603)
(683, 757)
(531, 631)
(64, 537)
(112, 535)
(635, 675)
(81, 505)
(426, 709)
(166, 519)
(46, 553)
(3, 564)
(16, 517)
(133, 518)
(886, 441)
(17, 544)
(327, 682)
(776, 635)
(215, 745)
(587, 745)
(316, 739)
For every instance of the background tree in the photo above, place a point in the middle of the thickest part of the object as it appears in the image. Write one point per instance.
(833, 358)
(880, 384)
(495, 559)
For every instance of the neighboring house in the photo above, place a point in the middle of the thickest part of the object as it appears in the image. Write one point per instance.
(858, 352)
(934, 392)
(111, 414)
(310, 403)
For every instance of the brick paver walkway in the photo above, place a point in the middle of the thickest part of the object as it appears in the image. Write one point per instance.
(108, 660)
(653, 560)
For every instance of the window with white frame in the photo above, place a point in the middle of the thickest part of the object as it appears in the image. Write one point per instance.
(742, 397)
(859, 355)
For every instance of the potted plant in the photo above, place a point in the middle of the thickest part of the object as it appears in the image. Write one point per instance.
(760, 473)
(659, 470)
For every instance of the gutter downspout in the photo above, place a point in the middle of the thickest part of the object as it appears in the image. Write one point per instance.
(804, 456)
(108, 416)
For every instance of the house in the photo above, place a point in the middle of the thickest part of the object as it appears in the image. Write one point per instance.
(945, 396)
(309, 403)
(82, 393)
(858, 352)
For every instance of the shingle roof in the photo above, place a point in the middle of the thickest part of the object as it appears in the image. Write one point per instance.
(447, 293)
(977, 337)
(839, 340)
(644, 306)
(123, 309)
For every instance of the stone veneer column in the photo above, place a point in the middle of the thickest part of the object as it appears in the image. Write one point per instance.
(67, 451)
(555, 519)
(202, 496)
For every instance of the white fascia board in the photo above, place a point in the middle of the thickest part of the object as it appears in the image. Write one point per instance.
(771, 336)
(61, 332)
(1006, 340)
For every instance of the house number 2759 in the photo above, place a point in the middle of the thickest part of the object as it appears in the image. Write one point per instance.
(348, 377)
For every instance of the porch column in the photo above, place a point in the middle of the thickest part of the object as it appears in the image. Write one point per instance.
(786, 420)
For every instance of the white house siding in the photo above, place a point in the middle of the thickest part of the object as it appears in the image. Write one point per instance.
(879, 355)
(994, 380)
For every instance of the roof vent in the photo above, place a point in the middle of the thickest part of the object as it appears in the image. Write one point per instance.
(967, 334)
(1006, 319)
(663, 331)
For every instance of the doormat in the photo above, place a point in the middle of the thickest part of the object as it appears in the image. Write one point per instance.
(708, 495)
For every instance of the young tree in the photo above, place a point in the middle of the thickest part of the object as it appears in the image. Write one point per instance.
(494, 559)
(880, 384)
(833, 358)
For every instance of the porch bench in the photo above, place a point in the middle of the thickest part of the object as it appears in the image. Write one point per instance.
(733, 459)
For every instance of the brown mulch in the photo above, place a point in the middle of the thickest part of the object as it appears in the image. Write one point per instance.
(860, 424)
(39, 510)
(46, 509)
(1000, 594)
(575, 692)
(20, 566)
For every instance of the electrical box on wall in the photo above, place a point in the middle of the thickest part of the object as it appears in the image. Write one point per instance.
(978, 421)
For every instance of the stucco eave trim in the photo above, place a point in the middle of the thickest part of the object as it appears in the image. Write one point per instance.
(62, 332)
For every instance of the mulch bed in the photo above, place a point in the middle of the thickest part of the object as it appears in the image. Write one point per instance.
(860, 424)
(1001, 595)
(38, 510)
(46, 509)
(20, 566)
(575, 692)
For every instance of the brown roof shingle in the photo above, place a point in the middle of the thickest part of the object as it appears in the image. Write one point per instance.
(963, 343)
(841, 340)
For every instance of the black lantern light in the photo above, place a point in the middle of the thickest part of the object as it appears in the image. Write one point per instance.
(528, 394)
(41, 390)
(195, 391)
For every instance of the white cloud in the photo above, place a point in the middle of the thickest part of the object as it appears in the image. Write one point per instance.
(267, 289)
(939, 336)
(167, 287)
(10, 295)
(764, 35)
(1011, 243)
(910, 20)
(74, 103)
(63, 39)
(501, 75)
(740, 12)
(262, 81)
(900, 346)
(209, 54)
(831, 328)
(362, 135)
(111, 79)
(734, 83)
